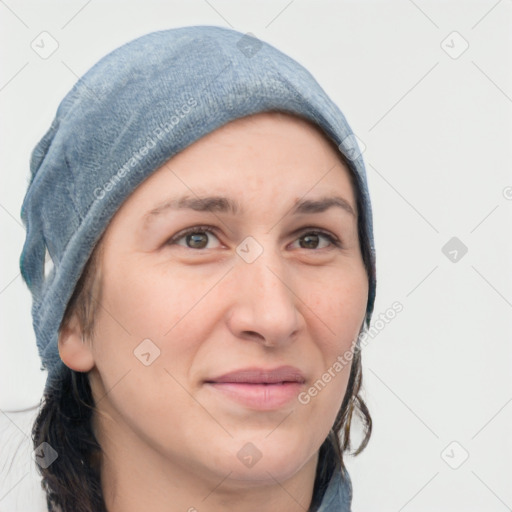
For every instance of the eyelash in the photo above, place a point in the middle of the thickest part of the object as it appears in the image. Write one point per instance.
(208, 229)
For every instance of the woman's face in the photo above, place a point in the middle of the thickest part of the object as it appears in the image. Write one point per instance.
(277, 282)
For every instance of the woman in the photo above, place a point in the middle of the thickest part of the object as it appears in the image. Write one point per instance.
(206, 210)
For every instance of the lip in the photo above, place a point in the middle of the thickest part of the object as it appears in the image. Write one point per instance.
(260, 388)
(254, 375)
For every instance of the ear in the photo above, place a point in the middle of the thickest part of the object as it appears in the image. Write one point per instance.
(74, 352)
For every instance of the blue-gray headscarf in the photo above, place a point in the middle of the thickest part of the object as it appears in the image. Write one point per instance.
(129, 114)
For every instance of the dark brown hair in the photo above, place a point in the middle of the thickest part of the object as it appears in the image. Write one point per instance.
(72, 483)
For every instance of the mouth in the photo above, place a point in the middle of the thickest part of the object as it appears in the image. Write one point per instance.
(258, 388)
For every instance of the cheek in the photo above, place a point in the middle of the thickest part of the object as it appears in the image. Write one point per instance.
(146, 337)
(336, 310)
(151, 304)
(156, 318)
(322, 399)
(339, 304)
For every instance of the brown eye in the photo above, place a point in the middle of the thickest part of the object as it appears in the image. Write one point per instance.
(312, 240)
(197, 240)
(196, 237)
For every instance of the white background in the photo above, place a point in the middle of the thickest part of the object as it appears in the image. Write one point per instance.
(436, 127)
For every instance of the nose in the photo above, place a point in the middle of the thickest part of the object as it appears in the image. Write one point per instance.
(264, 305)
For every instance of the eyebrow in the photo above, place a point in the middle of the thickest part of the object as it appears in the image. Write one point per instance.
(223, 204)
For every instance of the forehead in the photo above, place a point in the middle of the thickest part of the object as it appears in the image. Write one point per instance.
(287, 122)
(271, 155)
(287, 125)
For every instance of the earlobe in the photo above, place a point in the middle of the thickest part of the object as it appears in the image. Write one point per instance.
(74, 351)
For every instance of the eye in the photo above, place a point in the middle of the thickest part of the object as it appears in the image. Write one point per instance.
(312, 239)
(196, 237)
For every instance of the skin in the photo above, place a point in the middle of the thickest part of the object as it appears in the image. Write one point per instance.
(170, 442)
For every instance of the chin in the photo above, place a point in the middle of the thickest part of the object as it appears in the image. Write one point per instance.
(264, 461)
